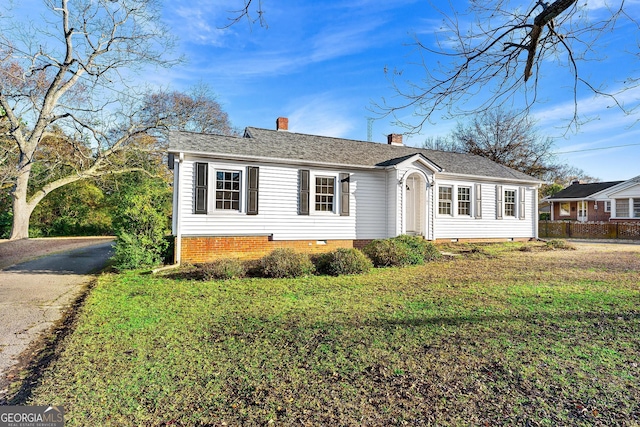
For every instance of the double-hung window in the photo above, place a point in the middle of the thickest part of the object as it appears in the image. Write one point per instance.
(509, 202)
(622, 208)
(228, 190)
(636, 208)
(607, 206)
(325, 193)
(444, 200)
(464, 201)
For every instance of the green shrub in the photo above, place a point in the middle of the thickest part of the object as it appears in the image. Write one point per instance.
(286, 263)
(222, 269)
(387, 253)
(400, 251)
(141, 225)
(343, 261)
(134, 251)
(421, 250)
(559, 244)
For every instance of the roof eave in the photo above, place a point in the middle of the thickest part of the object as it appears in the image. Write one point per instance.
(271, 160)
(419, 158)
(494, 178)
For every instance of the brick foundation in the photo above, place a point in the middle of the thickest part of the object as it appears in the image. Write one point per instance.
(197, 249)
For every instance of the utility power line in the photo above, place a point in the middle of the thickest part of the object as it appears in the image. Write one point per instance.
(596, 149)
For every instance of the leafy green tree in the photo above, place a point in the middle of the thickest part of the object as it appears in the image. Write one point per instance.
(141, 222)
(77, 209)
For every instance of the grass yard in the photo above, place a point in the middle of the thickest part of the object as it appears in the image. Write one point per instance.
(497, 336)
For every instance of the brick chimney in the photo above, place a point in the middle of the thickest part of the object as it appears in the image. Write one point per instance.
(282, 123)
(394, 139)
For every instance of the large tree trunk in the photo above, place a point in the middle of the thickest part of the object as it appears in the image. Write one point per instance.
(22, 210)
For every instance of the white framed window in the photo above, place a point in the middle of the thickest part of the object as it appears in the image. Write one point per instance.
(565, 208)
(445, 200)
(636, 208)
(607, 205)
(510, 203)
(325, 192)
(228, 190)
(622, 208)
(464, 201)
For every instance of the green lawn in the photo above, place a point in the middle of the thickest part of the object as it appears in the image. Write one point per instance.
(498, 336)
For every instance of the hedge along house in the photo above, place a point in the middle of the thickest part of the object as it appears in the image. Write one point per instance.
(245, 196)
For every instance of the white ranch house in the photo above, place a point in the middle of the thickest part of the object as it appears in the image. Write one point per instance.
(244, 196)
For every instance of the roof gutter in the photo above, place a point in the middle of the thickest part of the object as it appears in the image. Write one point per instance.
(273, 160)
(534, 181)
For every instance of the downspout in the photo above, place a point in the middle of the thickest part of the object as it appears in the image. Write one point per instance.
(177, 188)
(386, 205)
(536, 212)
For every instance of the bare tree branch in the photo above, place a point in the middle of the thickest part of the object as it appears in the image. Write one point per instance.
(493, 55)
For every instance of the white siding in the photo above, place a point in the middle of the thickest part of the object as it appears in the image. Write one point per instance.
(631, 192)
(376, 206)
(278, 206)
(469, 227)
(394, 204)
(369, 203)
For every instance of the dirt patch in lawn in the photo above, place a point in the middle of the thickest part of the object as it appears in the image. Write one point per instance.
(17, 251)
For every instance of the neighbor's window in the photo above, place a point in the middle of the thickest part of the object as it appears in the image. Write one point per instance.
(464, 200)
(509, 202)
(607, 206)
(444, 200)
(228, 190)
(622, 208)
(565, 209)
(325, 192)
(636, 208)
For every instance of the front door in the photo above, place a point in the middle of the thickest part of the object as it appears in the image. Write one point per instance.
(582, 211)
(415, 205)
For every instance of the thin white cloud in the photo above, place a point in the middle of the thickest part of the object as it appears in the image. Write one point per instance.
(321, 114)
(591, 107)
(199, 21)
(335, 42)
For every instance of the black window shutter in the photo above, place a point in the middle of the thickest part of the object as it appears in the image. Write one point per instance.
(201, 188)
(344, 194)
(252, 190)
(303, 202)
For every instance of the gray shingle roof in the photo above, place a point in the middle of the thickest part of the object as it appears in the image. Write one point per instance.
(580, 191)
(271, 144)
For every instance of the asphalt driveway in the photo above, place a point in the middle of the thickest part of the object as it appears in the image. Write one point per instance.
(34, 294)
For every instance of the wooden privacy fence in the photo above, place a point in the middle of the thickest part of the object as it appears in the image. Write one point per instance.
(589, 230)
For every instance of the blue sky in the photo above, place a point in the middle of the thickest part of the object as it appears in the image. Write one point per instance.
(322, 63)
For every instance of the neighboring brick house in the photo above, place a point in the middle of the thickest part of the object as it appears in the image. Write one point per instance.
(245, 196)
(598, 201)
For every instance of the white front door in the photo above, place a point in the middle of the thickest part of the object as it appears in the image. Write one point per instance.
(582, 211)
(415, 205)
